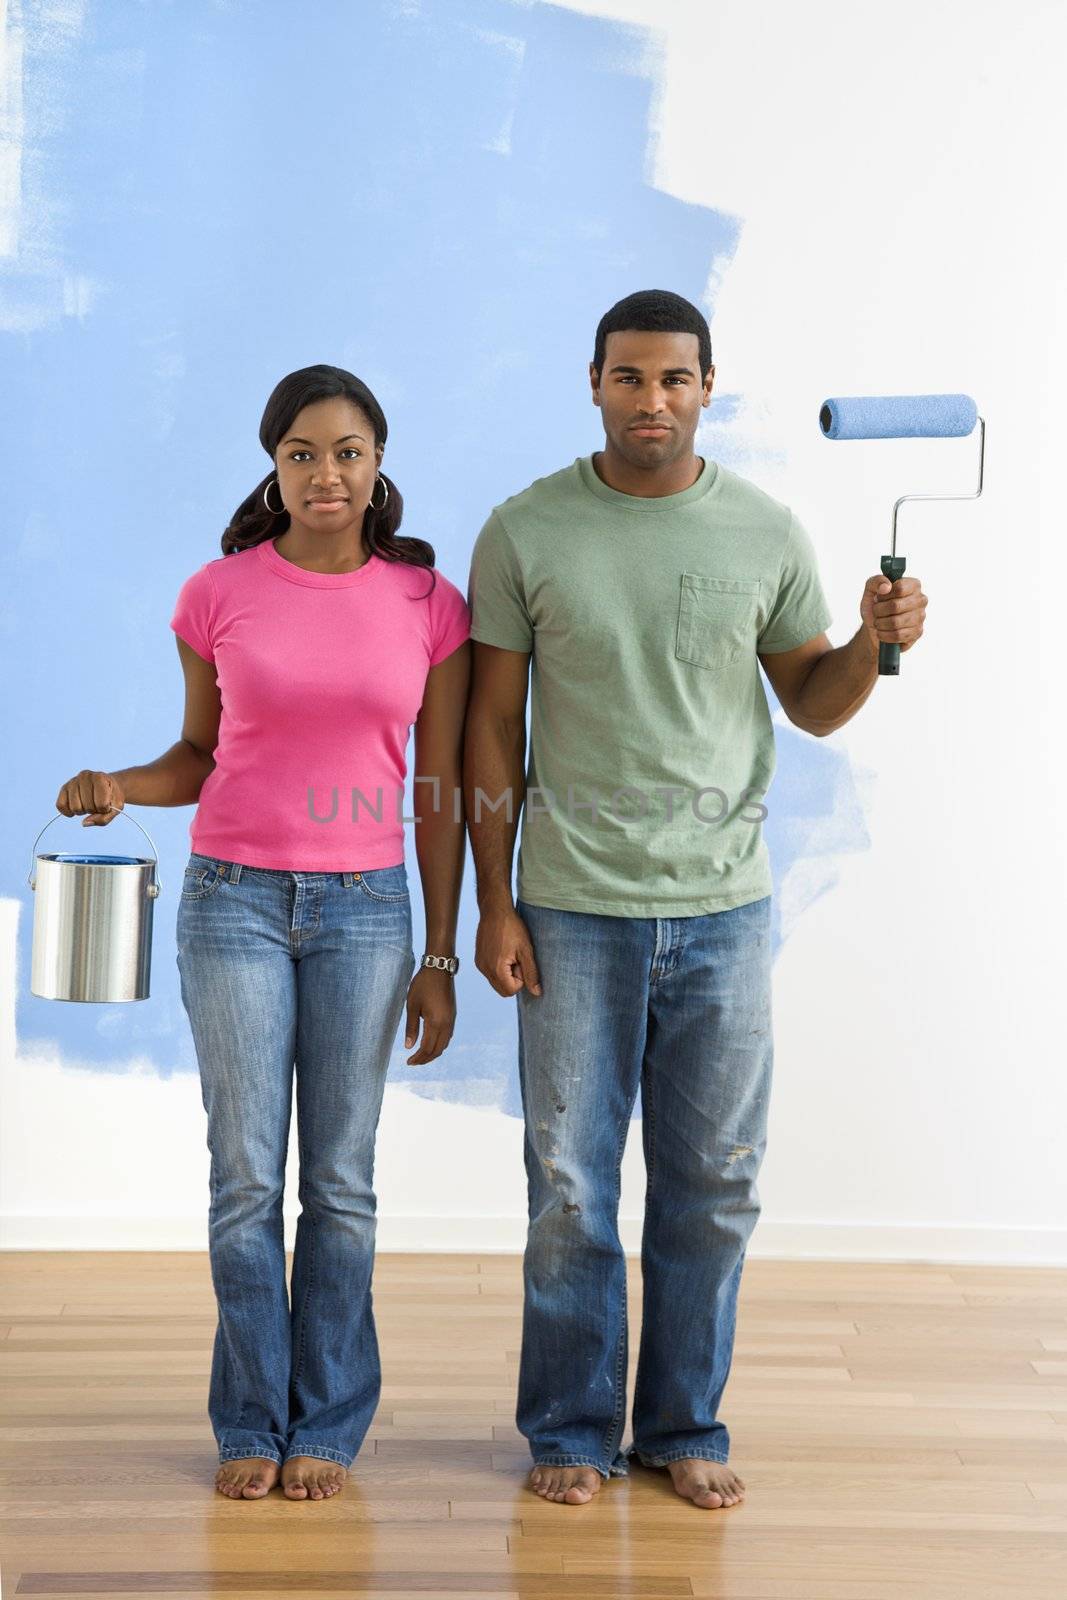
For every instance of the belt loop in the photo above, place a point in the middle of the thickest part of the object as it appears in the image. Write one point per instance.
(235, 871)
(346, 879)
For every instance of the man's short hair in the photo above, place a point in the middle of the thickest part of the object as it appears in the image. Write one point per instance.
(653, 311)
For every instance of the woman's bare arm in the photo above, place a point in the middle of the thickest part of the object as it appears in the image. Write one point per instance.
(440, 838)
(176, 777)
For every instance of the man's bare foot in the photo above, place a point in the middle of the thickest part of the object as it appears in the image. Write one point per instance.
(248, 1478)
(308, 1477)
(571, 1485)
(707, 1483)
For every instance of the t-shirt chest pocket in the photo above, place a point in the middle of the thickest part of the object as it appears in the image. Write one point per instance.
(716, 619)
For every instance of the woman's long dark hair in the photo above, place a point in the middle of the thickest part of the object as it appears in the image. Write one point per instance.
(253, 521)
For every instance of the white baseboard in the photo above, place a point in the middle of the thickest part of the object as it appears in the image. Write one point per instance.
(790, 1241)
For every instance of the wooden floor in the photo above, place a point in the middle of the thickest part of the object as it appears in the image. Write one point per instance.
(902, 1431)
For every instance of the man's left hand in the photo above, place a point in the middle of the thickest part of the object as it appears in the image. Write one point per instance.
(893, 613)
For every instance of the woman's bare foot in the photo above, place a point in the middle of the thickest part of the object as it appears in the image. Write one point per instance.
(248, 1478)
(708, 1484)
(309, 1478)
(571, 1485)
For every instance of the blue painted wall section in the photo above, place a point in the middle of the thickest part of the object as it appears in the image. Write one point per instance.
(443, 198)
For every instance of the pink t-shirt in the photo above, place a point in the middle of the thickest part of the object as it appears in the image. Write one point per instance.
(321, 676)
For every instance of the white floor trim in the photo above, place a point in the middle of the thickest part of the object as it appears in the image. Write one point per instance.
(793, 1241)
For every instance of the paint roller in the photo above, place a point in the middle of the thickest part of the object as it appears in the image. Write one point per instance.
(903, 416)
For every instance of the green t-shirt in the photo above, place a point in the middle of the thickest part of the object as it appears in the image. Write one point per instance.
(644, 617)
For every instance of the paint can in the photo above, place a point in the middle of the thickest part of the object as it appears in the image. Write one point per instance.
(92, 924)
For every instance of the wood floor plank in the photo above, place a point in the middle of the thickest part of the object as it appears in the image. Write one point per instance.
(52, 1586)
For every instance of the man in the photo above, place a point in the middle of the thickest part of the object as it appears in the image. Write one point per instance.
(645, 584)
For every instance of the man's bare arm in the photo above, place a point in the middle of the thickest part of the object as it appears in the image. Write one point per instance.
(494, 766)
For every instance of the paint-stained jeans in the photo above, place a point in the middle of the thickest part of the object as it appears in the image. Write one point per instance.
(281, 970)
(682, 1006)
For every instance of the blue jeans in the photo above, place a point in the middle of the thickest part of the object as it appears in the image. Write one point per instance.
(282, 969)
(681, 1005)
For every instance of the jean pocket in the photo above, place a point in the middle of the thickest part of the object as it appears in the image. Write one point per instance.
(201, 879)
(716, 619)
(385, 883)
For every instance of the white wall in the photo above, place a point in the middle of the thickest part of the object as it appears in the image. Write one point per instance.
(904, 231)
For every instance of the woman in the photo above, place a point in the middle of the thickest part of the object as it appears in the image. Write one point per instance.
(309, 649)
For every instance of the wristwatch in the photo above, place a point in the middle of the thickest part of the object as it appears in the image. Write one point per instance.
(446, 963)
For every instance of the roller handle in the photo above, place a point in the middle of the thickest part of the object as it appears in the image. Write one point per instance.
(889, 654)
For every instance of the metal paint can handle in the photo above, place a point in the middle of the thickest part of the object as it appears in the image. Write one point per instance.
(154, 889)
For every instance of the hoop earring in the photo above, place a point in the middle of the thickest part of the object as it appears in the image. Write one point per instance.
(266, 498)
(385, 497)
